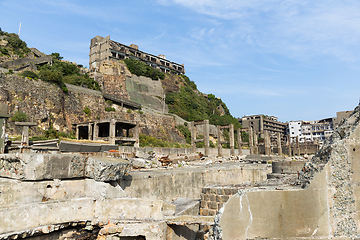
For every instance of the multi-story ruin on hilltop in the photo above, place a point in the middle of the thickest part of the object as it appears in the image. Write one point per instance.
(261, 123)
(104, 49)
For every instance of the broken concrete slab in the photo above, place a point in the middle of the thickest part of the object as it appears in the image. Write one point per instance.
(30, 167)
(106, 169)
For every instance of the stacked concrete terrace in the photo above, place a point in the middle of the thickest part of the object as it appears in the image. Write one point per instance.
(104, 49)
(113, 130)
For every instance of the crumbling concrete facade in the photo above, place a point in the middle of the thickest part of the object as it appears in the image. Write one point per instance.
(104, 49)
(321, 203)
(112, 130)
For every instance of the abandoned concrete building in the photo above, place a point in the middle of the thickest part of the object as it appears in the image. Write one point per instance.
(115, 131)
(260, 123)
(104, 49)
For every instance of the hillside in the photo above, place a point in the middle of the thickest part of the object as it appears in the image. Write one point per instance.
(160, 95)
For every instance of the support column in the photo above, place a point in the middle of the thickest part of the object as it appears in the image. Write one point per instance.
(193, 137)
(267, 143)
(77, 132)
(112, 131)
(306, 150)
(206, 137)
(279, 144)
(96, 132)
(219, 141)
(136, 135)
(239, 140)
(232, 140)
(25, 131)
(25, 136)
(89, 132)
(256, 143)
(297, 146)
(251, 141)
(289, 145)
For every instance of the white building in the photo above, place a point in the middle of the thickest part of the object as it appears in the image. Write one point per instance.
(294, 128)
(311, 131)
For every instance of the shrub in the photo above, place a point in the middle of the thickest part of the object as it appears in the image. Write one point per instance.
(186, 132)
(140, 68)
(29, 74)
(109, 109)
(20, 116)
(87, 111)
(129, 111)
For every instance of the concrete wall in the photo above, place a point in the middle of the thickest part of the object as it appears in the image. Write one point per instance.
(188, 182)
(177, 151)
(279, 213)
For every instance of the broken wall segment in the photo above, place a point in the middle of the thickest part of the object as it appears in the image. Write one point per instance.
(322, 203)
(34, 167)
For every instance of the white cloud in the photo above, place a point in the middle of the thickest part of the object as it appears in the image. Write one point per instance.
(297, 29)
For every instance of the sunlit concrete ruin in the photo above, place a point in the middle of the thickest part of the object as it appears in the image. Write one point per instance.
(114, 195)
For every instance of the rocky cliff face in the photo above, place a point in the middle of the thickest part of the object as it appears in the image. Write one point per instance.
(46, 104)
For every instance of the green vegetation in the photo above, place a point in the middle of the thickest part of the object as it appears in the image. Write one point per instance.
(149, 141)
(140, 68)
(29, 74)
(20, 116)
(52, 133)
(16, 45)
(194, 107)
(109, 109)
(62, 72)
(87, 111)
(186, 132)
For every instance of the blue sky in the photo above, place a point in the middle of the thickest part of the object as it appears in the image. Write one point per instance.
(294, 59)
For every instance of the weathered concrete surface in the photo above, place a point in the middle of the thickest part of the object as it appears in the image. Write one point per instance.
(188, 182)
(29, 216)
(287, 167)
(279, 213)
(322, 203)
(61, 166)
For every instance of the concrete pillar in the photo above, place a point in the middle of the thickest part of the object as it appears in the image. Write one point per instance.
(206, 137)
(25, 131)
(267, 143)
(96, 132)
(90, 132)
(232, 140)
(256, 142)
(193, 137)
(289, 145)
(306, 150)
(261, 124)
(77, 132)
(25, 136)
(136, 135)
(219, 133)
(297, 146)
(279, 144)
(239, 140)
(112, 131)
(251, 141)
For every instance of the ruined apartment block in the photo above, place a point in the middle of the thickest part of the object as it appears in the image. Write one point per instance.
(104, 49)
(261, 123)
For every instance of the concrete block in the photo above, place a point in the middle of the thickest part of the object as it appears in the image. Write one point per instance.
(228, 191)
(205, 212)
(137, 162)
(204, 204)
(61, 166)
(106, 169)
(212, 212)
(220, 191)
(224, 198)
(212, 197)
(213, 205)
(206, 197)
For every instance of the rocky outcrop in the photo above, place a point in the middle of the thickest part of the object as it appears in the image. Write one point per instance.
(46, 104)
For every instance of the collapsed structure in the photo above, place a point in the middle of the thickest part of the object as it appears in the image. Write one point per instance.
(104, 49)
